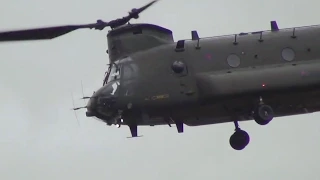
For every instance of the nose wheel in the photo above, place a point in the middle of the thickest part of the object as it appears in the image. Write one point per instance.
(239, 139)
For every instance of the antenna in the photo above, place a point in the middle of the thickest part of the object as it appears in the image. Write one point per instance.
(74, 109)
(294, 33)
(235, 40)
(83, 97)
(260, 39)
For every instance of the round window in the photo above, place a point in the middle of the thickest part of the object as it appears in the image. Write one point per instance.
(233, 60)
(288, 54)
(178, 67)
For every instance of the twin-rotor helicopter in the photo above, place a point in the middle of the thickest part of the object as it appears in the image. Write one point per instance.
(154, 80)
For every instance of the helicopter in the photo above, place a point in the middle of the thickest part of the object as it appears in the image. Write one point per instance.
(153, 80)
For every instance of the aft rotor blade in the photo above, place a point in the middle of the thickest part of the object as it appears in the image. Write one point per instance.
(40, 33)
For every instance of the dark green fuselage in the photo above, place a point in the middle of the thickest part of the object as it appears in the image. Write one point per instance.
(222, 80)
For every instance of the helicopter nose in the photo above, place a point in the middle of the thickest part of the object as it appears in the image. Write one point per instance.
(103, 101)
(91, 106)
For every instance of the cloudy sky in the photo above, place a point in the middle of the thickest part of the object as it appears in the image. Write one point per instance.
(41, 139)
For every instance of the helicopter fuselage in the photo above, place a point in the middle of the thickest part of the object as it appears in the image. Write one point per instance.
(220, 79)
(153, 80)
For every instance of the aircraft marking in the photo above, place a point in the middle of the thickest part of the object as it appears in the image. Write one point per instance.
(157, 97)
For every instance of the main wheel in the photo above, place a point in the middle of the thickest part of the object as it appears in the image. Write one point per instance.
(239, 140)
(263, 114)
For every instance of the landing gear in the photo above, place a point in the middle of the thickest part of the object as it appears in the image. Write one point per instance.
(134, 130)
(239, 139)
(263, 113)
(179, 125)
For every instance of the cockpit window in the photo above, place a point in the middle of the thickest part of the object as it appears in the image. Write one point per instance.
(113, 73)
(128, 68)
(130, 71)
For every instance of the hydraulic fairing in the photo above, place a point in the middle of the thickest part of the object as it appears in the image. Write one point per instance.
(131, 38)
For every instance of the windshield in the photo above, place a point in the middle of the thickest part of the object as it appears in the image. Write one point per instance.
(128, 67)
(130, 71)
(113, 73)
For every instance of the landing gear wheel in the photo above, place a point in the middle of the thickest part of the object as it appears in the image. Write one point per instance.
(263, 114)
(239, 140)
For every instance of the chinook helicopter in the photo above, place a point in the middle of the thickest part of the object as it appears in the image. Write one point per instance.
(154, 80)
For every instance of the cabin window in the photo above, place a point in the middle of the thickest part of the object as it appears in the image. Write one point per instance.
(233, 60)
(178, 67)
(288, 54)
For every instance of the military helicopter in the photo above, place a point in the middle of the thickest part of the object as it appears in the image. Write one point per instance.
(154, 80)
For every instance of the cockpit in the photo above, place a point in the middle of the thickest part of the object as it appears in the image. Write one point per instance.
(118, 83)
(124, 69)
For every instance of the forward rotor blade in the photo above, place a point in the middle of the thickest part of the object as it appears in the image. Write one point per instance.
(40, 33)
(135, 12)
(53, 32)
(145, 7)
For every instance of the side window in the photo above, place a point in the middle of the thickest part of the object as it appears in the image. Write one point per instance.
(129, 71)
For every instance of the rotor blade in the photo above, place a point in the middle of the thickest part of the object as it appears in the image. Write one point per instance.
(41, 33)
(136, 12)
(53, 32)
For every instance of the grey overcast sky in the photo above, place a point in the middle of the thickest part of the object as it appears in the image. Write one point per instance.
(40, 137)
